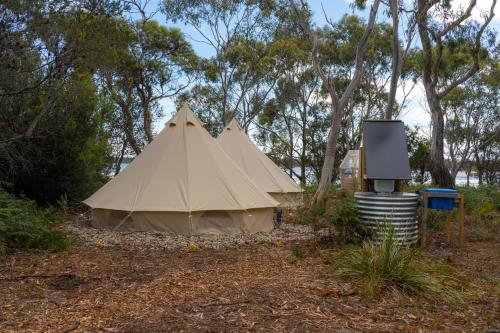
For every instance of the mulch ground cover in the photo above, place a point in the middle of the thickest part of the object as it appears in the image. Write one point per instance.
(262, 288)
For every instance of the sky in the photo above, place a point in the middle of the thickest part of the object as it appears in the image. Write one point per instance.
(416, 111)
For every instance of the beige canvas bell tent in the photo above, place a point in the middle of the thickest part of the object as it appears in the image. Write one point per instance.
(267, 175)
(184, 183)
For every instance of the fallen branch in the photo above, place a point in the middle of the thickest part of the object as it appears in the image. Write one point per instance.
(24, 277)
(72, 328)
(224, 304)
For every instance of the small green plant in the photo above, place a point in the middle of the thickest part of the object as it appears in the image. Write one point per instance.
(484, 209)
(24, 225)
(348, 226)
(393, 267)
(436, 220)
(63, 203)
(313, 215)
(297, 252)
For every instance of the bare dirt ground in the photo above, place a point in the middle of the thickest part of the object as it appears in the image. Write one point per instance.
(257, 287)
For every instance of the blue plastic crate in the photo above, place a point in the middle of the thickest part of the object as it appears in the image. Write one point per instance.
(447, 202)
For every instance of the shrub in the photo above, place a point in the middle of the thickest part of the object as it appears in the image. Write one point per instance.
(393, 267)
(313, 214)
(482, 201)
(24, 225)
(346, 222)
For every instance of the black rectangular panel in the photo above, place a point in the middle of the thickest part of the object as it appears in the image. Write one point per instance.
(386, 155)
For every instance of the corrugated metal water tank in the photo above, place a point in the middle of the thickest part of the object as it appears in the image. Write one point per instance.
(380, 212)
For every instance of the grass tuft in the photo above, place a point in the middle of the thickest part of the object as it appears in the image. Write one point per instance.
(397, 268)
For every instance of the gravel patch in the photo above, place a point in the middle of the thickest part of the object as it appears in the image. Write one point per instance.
(154, 240)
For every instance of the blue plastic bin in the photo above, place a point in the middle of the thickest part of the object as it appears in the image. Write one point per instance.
(443, 203)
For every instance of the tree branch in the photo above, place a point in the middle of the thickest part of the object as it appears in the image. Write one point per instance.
(475, 54)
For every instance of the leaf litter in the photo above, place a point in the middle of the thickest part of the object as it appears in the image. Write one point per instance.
(257, 286)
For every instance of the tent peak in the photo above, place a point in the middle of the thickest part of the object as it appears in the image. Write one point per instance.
(237, 144)
(184, 116)
(233, 124)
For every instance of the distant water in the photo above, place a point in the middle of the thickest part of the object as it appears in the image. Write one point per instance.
(461, 179)
(122, 167)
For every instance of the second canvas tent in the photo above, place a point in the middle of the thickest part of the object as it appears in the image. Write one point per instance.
(267, 175)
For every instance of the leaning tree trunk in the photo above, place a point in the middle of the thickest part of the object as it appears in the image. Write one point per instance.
(119, 160)
(440, 174)
(338, 105)
(327, 171)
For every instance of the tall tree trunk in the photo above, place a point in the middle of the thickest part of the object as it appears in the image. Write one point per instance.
(468, 176)
(440, 174)
(396, 60)
(129, 130)
(119, 160)
(422, 174)
(148, 117)
(148, 121)
(479, 168)
(303, 160)
(304, 144)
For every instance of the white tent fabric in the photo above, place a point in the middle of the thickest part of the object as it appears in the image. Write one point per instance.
(267, 175)
(183, 170)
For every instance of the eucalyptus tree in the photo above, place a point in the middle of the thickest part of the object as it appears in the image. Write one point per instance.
(159, 63)
(293, 125)
(338, 101)
(239, 74)
(472, 117)
(473, 125)
(439, 22)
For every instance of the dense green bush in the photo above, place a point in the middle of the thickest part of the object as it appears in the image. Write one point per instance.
(346, 222)
(73, 154)
(393, 267)
(24, 225)
(313, 214)
(341, 215)
(482, 201)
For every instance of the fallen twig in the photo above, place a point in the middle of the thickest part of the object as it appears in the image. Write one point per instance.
(225, 304)
(24, 277)
(72, 328)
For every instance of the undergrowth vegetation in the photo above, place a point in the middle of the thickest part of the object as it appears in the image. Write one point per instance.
(392, 267)
(482, 202)
(24, 225)
(341, 217)
(389, 266)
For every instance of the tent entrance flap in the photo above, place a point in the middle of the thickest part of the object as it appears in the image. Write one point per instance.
(217, 220)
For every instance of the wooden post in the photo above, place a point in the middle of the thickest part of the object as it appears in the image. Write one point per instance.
(362, 180)
(449, 229)
(461, 216)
